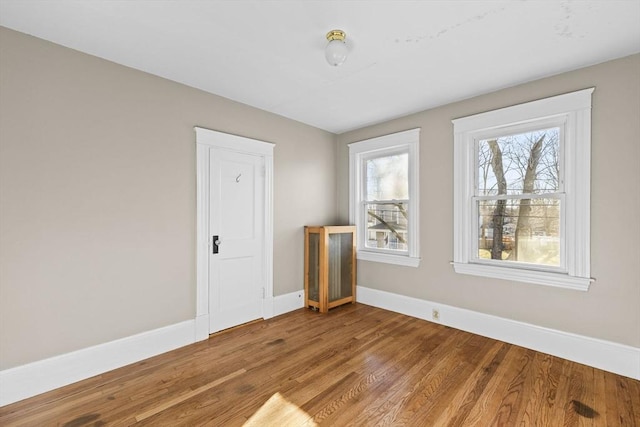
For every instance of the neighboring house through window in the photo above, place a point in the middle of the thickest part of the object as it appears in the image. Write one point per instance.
(522, 192)
(383, 178)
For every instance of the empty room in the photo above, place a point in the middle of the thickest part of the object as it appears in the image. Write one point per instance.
(319, 213)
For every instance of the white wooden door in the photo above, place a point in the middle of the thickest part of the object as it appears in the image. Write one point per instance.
(236, 258)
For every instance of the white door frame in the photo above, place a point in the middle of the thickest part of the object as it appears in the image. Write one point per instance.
(205, 140)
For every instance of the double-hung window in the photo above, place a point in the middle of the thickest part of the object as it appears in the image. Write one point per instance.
(522, 193)
(383, 176)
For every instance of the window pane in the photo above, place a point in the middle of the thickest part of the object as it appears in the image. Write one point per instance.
(386, 226)
(314, 266)
(525, 230)
(340, 268)
(387, 177)
(519, 164)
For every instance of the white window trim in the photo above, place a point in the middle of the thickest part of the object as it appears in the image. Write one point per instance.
(575, 109)
(410, 140)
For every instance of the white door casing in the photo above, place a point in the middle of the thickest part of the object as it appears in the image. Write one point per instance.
(238, 172)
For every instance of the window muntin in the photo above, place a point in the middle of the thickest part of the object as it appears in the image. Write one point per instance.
(383, 176)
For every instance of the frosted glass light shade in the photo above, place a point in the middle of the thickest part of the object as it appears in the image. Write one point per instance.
(336, 52)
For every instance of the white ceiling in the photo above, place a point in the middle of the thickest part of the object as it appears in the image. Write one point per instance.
(405, 56)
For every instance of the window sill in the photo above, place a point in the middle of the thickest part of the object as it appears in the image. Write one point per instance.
(403, 260)
(559, 280)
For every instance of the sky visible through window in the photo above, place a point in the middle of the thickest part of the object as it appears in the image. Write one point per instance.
(513, 228)
(387, 177)
(511, 156)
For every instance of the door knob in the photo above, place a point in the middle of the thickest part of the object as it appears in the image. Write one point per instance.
(216, 243)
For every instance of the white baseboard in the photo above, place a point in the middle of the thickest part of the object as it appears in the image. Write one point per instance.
(609, 356)
(288, 302)
(38, 377)
(202, 327)
(267, 307)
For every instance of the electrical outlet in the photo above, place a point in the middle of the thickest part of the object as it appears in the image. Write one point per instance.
(435, 314)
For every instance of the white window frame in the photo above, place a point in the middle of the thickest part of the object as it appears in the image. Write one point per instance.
(407, 141)
(571, 112)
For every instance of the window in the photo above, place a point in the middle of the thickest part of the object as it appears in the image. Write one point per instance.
(522, 192)
(383, 202)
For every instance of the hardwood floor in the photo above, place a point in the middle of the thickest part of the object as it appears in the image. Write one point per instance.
(356, 366)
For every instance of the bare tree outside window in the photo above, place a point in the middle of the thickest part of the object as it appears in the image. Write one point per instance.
(387, 193)
(518, 196)
(522, 192)
(384, 176)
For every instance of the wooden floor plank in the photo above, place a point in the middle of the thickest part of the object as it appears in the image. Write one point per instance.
(356, 365)
(536, 410)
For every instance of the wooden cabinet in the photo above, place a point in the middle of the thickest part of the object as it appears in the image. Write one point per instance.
(329, 266)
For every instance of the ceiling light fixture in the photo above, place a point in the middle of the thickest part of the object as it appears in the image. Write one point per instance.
(336, 51)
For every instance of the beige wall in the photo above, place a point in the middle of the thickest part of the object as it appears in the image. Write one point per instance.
(609, 310)
(97, 201)
(97, 196)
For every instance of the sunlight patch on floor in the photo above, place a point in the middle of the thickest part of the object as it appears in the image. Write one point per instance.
(278, 411)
